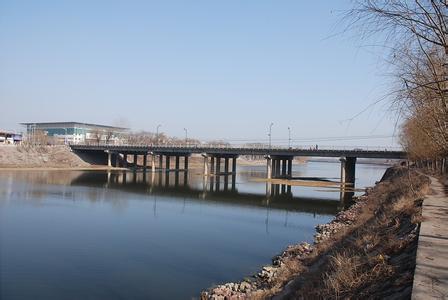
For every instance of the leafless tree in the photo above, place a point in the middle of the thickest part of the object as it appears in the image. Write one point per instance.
(97, 136)
(416, 33)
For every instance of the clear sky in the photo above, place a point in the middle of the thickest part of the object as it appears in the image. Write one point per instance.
(222, 69)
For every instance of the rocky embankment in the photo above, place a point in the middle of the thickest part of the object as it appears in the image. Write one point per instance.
(388, 212)
(281, 264)
(12, 156)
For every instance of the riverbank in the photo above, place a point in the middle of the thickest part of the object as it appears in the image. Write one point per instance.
(42, 157)
(368, 250)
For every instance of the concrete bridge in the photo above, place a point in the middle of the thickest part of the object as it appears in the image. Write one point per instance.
(278, 160)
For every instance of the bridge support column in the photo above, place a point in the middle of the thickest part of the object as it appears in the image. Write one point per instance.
(135, 160)
(145, 161)
(212, 165)
(284, 168)
(153, 163)
(269, 168)
(177, 162)
(125, 160)
(277, 168)
(218, 165)
(205, 164)
(234, 165)
(109, 158)
(160, 161)
(117, 159)
(348, 167)
(186, 163)
(226, 165)
(290, 168)
(167, 163)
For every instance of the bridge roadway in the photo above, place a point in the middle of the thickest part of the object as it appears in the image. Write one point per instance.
(278, 160)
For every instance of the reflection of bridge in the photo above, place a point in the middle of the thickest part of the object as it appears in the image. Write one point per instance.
(212, 188)
(279, 160)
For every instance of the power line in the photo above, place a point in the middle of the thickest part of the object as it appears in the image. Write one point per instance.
(317, 139)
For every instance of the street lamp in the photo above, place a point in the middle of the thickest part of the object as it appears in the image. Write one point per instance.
(157, 134)
(186, 136)
(289, 137)
(65, 136)
(270, 134)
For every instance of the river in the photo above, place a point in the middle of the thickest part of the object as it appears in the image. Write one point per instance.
(116, 235)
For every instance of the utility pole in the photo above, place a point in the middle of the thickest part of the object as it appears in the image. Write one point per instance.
(289, 137)
(157, 134)
(270, 135)
(186, 136)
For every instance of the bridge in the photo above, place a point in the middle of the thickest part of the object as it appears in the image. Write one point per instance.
(278, 160)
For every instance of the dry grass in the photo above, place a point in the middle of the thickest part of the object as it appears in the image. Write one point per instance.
(374, 256)
(349, 271)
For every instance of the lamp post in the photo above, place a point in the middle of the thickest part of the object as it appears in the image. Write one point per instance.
(157, 134)
(289, 137)
(270, 135)
(186, 136)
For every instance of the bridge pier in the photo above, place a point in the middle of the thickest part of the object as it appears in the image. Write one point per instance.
(289, 169)
(218, 165)
(278, 166)
(135, 160)
(125, 160)
(348, 167)
(153, 163)
(167, 163)
(109, 159)
(206, 164)
(177, 162)
(212, 165)
(145, 161)
(186, 163)
(268, 167)
(117, 159)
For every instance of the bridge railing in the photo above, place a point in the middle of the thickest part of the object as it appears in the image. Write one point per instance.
(257, 147)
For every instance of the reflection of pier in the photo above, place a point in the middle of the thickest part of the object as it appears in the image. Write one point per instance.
(222, 188)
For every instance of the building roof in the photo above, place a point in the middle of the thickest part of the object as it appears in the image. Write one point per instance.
(73, 123)
(9, 132)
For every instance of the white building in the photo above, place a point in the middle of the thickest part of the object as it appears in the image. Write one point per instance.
(76, 132)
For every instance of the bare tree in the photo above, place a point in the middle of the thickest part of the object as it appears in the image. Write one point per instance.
(97, 136)
(416, 33)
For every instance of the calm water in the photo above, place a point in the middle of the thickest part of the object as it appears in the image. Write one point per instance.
(99, 235)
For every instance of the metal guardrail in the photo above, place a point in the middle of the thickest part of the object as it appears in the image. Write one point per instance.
(236, 147)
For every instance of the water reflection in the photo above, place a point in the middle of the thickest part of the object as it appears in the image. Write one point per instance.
(215, 188)
(175, 184)
(138, 233)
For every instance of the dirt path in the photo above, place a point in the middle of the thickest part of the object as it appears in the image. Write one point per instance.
(431, 272)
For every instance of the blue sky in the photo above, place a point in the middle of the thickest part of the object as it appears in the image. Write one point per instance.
(222, 69)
